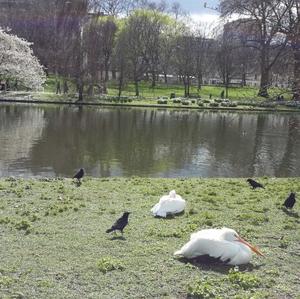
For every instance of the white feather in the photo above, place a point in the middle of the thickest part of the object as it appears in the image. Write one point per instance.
(216, 243)
(169, 204)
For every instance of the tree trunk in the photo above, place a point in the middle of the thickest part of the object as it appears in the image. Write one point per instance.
(90, 91)
(244, 79)
(226, 91)
(120, 89)
(264, 83)
(227, 86)
(66, 87)
(7, 84)
(106, 78)
(120, 83)
(104, 87)
(188, 85)
(166, 78)
(80, 91)
(200, 81)
(153, 80)
(92, 83)
(264, 79)
(16, 85)
(58, 89)
(185, 85)
(113, 74)
(296, 80)
(136, 85)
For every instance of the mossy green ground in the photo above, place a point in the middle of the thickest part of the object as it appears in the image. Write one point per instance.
(54, 245)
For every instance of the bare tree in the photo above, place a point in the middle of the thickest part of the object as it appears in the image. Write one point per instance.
(120, 60)
(257, 22)
(184, 62)
(109, 7)
(287, 16)
(93, 54)
(176, 10)
(99, 40)
(167, 50)
(226, 59)
(155, 24)
(117, 7)
(203, 50)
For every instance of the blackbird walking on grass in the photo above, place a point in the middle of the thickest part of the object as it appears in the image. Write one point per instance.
(255, 184)
(120, 223)
(290, 201)
(79, 174)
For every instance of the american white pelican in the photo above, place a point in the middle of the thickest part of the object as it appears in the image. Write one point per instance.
(224, 244)
(169, 204)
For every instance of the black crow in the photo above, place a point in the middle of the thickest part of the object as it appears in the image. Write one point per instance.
(290, 201)
(79, 174)
(255, 184)
(120, 223)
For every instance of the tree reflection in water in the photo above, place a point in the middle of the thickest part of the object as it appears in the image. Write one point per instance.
(55, 141)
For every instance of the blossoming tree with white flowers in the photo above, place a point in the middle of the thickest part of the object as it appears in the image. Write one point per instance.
(17, 62)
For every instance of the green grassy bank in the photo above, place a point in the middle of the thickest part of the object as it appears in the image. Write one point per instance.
(215, 105)
(240, 98)
(161, 89)
(54, 245)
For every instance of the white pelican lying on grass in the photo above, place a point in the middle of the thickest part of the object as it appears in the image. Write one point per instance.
(169, 204)
(224, 244)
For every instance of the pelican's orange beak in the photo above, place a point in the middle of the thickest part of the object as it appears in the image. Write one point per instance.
(253, 248)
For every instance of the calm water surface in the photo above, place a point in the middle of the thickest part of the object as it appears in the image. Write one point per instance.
(55, 141)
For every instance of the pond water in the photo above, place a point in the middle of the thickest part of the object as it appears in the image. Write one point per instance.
(55, 141)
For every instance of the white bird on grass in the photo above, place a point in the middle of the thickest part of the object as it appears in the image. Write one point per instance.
(224, 244)
(169, 204)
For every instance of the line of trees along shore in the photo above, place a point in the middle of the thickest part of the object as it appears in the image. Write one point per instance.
(136, 40)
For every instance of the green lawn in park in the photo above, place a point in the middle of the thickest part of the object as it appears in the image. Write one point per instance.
(54, 245)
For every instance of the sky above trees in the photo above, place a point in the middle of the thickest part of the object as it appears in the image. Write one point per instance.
(196, 6)
(196, 9)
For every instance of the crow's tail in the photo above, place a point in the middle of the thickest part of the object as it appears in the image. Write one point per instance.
(109, 230)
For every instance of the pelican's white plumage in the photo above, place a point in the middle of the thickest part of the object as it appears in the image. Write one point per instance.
(169, 204)
(224, 244)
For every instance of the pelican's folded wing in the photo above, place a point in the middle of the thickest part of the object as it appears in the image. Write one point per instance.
(209, 233)
(158, 210)
(177, 206)
(215, 248)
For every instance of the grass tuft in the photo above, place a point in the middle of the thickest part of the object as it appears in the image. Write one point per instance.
(203, 288)
(107, 264)
(245, 280)
(23, 225)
